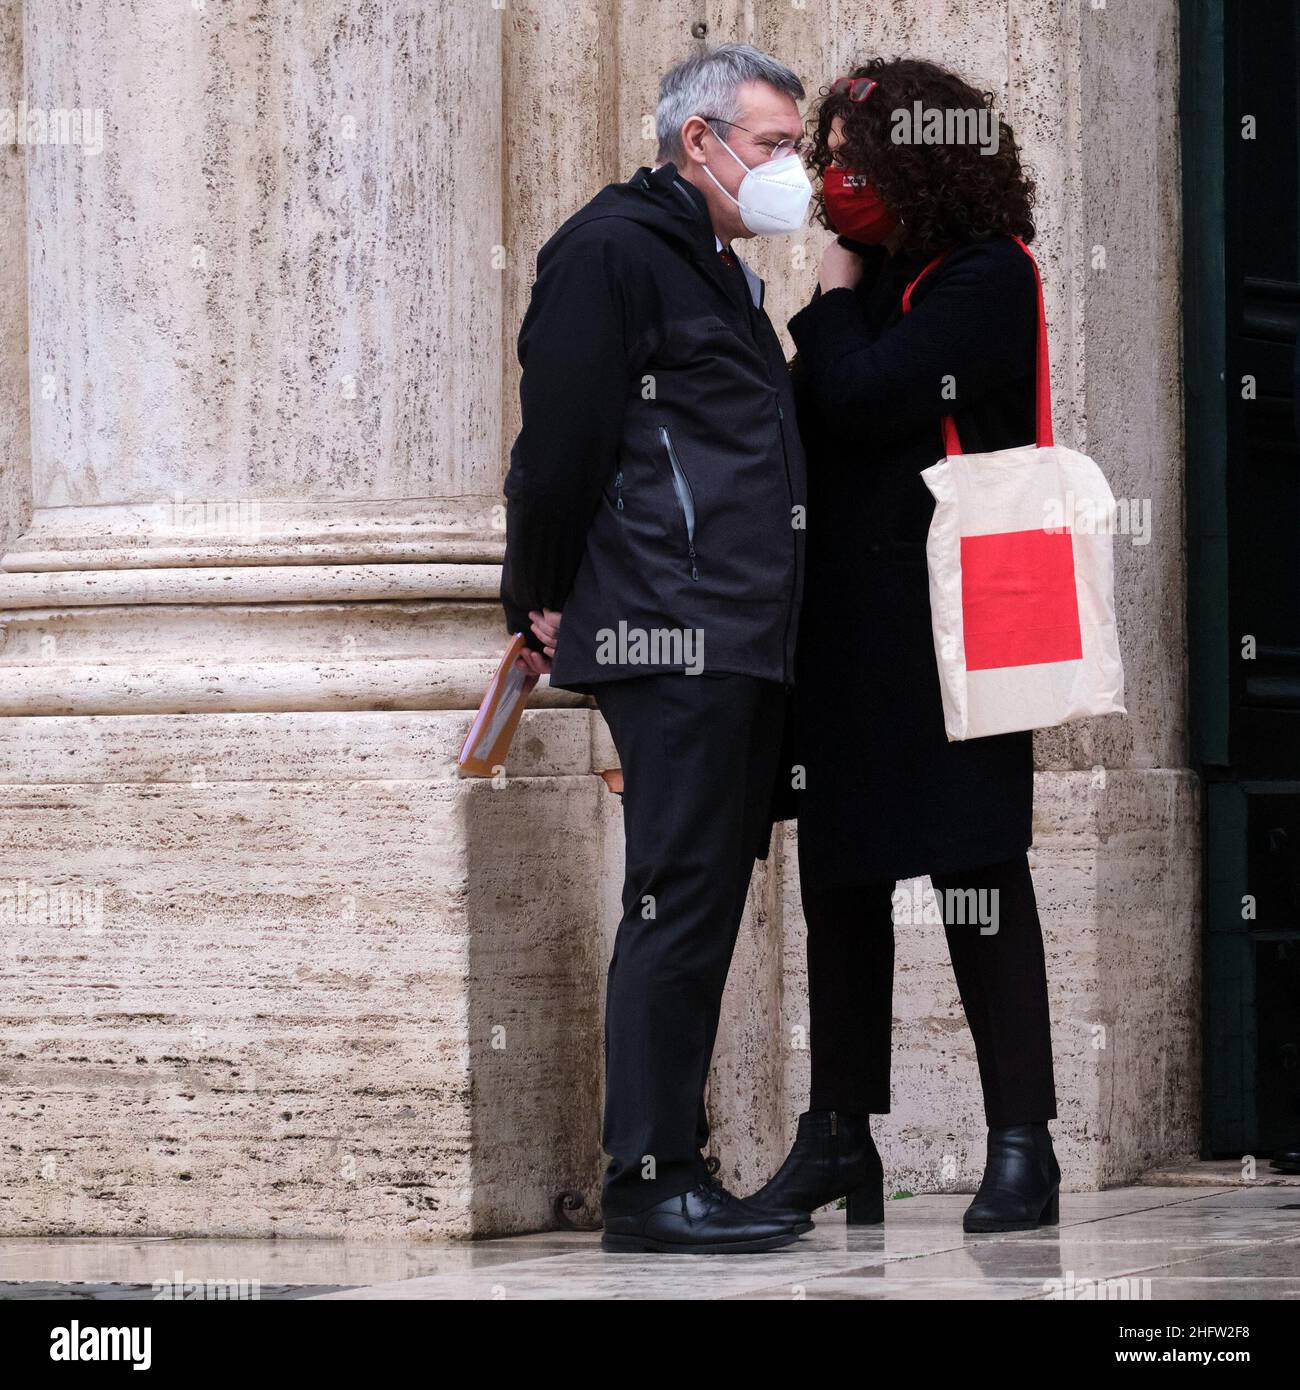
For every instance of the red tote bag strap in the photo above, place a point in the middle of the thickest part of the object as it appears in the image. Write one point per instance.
(1042, 370)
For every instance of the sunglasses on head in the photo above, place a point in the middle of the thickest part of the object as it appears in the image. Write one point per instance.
(858, 88)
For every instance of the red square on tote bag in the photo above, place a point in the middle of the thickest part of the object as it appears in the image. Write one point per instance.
(1018, 597)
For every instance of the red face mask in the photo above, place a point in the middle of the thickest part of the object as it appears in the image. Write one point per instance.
(854, 207)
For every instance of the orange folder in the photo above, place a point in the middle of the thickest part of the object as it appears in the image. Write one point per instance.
(488, 740)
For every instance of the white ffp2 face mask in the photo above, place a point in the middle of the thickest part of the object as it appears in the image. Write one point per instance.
(773, 198)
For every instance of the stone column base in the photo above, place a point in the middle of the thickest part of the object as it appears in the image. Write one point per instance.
(286, 974)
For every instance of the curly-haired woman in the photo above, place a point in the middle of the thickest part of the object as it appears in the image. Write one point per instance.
(887, 797)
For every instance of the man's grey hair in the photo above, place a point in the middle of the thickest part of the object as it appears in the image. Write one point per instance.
(706, 85)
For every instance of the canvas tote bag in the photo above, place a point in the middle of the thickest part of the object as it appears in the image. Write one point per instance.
(1021, 571)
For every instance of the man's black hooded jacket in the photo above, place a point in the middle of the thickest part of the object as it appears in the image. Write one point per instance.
(657, 481)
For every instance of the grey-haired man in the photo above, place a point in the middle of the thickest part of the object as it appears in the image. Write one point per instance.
(655, 559)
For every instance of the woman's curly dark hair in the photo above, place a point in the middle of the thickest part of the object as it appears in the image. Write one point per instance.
(945, 194)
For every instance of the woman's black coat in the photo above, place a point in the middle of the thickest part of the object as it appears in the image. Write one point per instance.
(887, 796)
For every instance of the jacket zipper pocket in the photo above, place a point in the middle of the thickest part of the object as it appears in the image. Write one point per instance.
(618, 490)
(685, 497)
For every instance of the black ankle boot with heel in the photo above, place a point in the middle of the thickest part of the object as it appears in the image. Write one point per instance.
(833, 1156)
(1020, 1190)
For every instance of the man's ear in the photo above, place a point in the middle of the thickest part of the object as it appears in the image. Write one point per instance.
(693, 132)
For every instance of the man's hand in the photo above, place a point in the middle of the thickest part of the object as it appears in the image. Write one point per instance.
(546, 628)
(534, 663)
(841, 269)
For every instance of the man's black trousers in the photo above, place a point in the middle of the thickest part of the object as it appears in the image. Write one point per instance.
(699, 757)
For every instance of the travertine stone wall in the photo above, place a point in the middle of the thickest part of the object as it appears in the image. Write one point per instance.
(274, 968)
(287, 241)
(15, 429)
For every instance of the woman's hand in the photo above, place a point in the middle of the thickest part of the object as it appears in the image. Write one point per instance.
(841, 269)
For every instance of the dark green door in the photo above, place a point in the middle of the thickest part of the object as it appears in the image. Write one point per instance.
(1241, 164)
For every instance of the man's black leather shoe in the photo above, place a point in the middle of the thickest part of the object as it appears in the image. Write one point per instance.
(707, 1220)
(1021, 1183)
(1286, 1158)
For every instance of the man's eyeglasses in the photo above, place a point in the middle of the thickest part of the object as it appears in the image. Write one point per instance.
(858, 88)
(778, 148)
